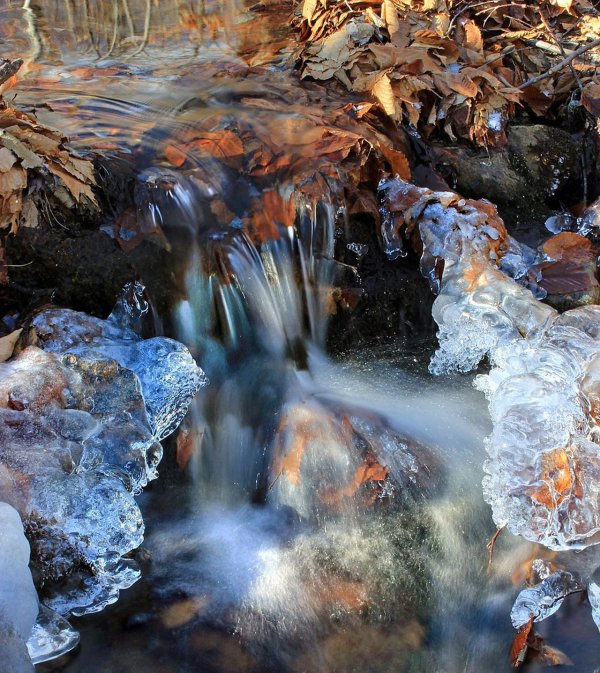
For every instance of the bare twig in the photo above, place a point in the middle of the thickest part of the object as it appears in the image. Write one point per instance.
(128, 18)
(491, 544)
(550, 48)
(516, 34)
(147, 22)
(32, 30)
(560, 47)
(561, 65)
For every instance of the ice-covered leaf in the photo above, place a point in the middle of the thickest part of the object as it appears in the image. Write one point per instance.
(545, 598)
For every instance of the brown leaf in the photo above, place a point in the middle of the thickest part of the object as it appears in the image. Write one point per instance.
(519, 646)
(574, 267)
(174, 155)
(12, 180)
(7, 344)
(185, 447)
(39, 143)
(308, 8)
(30, 215)
(398, 162)
(371, 470)
(28, 158)
(451, 81)
(590, 98)
(7, 159)
(550, 656)
(76, 187)
(390, 17)
(473, 37)
(224, 145)
(382, 91)
(182, 612)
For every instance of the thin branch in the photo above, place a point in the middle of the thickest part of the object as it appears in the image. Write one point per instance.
(128, 18)
(147, 22)
(561, 65)
(32, 31)
(559, 45)
(546, 46)
(516, 34)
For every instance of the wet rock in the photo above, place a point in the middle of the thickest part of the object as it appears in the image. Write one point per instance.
(329, 457)
(491, 175)
(540, 171)
(549, 159)
(84, 269)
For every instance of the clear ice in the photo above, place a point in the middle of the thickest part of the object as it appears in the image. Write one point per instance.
(84, 405)
(18, 597)
(543, 472)
(544, 598)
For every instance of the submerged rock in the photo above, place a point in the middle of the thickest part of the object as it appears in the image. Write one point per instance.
(82, 413)
(331, 457)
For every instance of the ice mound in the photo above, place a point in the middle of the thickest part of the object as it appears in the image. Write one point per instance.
(478, 310)
(83, 407)
(18, 598)
(168, 375)
(543, 472)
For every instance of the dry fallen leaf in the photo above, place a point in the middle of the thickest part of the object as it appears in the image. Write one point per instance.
(182, 612)
(7, 344)
(519, 647)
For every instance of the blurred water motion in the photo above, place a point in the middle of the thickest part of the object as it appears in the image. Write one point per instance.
(330, 516)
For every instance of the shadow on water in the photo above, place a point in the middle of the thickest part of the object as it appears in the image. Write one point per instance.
(322, 515)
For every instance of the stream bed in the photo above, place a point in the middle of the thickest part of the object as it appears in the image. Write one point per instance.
(320, 509)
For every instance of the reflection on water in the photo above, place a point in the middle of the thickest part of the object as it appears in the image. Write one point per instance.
(330, 516)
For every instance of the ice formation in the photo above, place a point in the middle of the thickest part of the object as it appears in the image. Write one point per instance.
(18, 598)
(543, 472)
(83, 407)
(544, 599)
(593, 592)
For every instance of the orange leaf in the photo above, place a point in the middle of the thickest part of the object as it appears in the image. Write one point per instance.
(174, 155)
(519, 645)
(557, 477)
(397, 161)
(224, 145)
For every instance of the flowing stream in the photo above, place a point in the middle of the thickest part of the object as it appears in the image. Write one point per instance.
(320, 513)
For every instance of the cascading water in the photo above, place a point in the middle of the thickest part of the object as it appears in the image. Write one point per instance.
(327, 515)
(319, 504)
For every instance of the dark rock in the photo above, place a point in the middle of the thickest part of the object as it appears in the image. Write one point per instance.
(491, 175)
(549, 159)
(541, 171)
(383, 298)
(85, 270)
